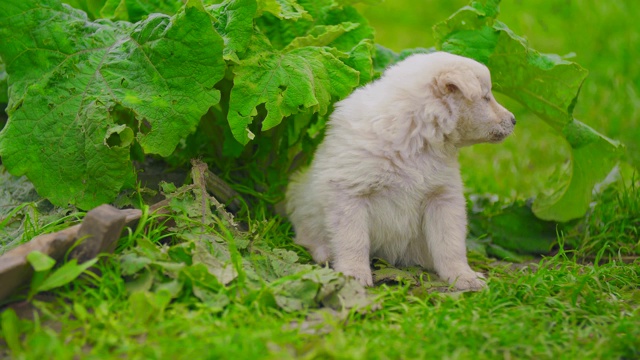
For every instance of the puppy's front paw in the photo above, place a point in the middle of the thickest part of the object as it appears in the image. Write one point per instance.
(468, 280)
(363, 275)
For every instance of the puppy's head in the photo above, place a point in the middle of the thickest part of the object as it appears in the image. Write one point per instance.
(452, 96)
(463, 87)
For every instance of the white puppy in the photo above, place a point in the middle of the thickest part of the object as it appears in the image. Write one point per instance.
(386, 181)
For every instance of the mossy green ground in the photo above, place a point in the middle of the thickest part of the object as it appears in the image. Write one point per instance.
(561, 308)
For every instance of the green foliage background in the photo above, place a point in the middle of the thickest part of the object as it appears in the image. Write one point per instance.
(601, 36)
(253, 82)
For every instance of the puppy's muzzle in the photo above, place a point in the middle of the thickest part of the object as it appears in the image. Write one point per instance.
(506, 128)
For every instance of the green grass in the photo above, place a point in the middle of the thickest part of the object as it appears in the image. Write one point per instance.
(612, 229)
(562, 307)
(558, 308)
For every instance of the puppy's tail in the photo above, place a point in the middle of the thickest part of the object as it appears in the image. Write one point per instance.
(293, 195)
(281, 208)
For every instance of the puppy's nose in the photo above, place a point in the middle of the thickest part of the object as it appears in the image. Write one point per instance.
(513, 119)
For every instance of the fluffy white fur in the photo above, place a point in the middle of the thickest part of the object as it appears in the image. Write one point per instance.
(386, 181)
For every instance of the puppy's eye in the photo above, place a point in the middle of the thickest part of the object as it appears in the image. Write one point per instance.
(487, 98)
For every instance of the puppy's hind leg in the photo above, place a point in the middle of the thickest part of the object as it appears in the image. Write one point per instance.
(445, 227)
(347, 223)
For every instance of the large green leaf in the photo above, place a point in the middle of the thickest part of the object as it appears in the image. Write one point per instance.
(322, 17)
(282, 9)
(515, 228)
(547, 85)
(353, 37)
(235, 23)
(321, 35)
(74, 86)
(353, 2)
(128, 10)
(592, 158)
(384, 57)
(91, 7)
(296, 66)
(286, 82)
(136, 10)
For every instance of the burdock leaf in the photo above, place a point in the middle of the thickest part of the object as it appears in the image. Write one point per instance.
(548, 85)
(136, 10)
(296, 294)
(235, 24)
(321, 35)
(73, 81)
(592, 157)
(282, 9)
(286, 82)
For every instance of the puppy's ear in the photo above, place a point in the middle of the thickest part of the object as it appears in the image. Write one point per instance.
(459, 80)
